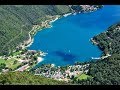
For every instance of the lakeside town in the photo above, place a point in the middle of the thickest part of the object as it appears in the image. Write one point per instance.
(89, 8)
(21, 60)
(65, 73)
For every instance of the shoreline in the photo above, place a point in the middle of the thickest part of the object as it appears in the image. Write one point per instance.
(51, 21)
(30, 43)
(48, 22)
(65, 15)
(31, 40)
(97, 44)
(39, 59)
(93, 41)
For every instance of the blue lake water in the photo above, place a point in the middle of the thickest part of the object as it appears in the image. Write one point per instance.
(69, 38)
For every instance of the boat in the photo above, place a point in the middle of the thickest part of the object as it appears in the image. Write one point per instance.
(69, 50)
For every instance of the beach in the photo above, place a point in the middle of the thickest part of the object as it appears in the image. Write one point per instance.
(31, 41)
(40, 59)
(67, 14)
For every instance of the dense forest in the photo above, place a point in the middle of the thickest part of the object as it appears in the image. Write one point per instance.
(109, 41)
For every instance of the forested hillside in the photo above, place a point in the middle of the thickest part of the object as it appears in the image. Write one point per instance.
(109, 41)
(17, 20)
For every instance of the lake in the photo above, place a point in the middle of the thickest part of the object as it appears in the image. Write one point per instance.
(68, 40)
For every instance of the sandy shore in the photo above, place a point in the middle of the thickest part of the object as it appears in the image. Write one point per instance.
(67, 14)
(54, 20)
(31, 42)
(40, 59)
(50, 23)
(53, 65)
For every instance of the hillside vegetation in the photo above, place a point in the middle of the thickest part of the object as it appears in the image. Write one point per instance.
(109, 41)
(17, 20)
(26, 78)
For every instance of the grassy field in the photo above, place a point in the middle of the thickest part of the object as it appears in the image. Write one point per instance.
(82, 76)
(2, 61)
(10, 63)
(17, 53)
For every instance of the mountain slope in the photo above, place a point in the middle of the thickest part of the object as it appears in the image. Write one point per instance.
(17, 20)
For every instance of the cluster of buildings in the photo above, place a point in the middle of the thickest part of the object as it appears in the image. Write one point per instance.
(24, 60)
(62, 73)
(86, 8)
(47, 23)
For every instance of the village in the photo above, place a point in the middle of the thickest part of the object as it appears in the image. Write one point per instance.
(89, 8)
(21, 60)
(65, 73)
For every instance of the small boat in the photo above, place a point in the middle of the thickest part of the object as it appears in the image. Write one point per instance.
(69, 50)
